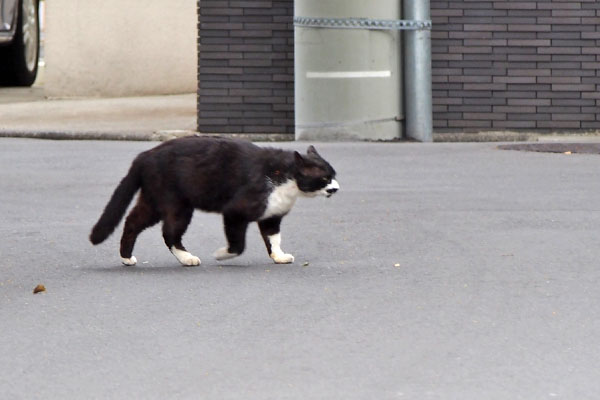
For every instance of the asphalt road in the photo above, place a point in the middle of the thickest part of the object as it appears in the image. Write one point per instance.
(439, 271)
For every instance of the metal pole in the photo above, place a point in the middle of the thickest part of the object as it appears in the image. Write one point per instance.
(417, 74)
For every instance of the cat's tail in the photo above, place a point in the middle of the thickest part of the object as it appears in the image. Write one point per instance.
(117, 205)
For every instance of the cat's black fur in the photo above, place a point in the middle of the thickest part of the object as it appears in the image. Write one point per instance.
(242, 181)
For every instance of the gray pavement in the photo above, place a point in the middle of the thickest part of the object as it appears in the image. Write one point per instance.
(439, 271)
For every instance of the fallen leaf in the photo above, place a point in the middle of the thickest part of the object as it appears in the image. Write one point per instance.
(39, 288)
(305, 264)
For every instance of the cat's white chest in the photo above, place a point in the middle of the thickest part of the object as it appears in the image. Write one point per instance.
(281, 199)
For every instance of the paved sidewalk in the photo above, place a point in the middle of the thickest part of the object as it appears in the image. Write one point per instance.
(24, 112)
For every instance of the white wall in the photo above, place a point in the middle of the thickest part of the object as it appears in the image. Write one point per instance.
(120, 47)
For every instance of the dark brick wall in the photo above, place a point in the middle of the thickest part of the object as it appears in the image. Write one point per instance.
(245, 66)
(518, 65)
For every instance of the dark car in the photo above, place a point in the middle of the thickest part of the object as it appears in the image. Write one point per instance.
(19, 42)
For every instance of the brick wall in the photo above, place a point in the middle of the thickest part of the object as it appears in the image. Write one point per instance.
(518, 65)
(246, 66)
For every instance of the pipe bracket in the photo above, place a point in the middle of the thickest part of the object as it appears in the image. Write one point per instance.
(362, 23)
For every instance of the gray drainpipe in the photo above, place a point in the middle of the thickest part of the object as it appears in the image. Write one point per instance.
(417, 73)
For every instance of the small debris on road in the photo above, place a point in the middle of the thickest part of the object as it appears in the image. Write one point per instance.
(39, 288)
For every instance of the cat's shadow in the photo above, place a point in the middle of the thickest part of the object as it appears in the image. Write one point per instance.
(166, 269)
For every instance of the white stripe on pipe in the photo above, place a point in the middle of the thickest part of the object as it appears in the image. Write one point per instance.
(348, 74)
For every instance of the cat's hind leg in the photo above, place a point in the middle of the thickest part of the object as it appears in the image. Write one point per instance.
(175, 223)
(269, 229)
(142, 216)
(235, 231)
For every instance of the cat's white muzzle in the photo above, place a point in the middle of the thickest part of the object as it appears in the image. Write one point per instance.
(330, 189)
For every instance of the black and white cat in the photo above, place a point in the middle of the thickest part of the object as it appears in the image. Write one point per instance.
(242, 181)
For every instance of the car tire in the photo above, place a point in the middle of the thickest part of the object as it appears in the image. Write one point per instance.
(19, 60)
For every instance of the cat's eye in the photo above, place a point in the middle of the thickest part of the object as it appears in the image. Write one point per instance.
(325, 179)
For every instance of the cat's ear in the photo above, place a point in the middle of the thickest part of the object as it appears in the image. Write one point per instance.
(299, 160)
(312, 150)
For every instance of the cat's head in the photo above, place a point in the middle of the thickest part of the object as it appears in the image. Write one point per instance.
(314, 175)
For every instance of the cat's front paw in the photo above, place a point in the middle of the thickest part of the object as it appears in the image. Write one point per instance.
(129, 261)
(223, 254)
(185, 258)
(282, 258)
(191, 261)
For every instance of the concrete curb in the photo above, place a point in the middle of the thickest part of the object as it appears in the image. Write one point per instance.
(547, 147)
(159, 136)
(63, 135)
(499, 136)
(163, 135)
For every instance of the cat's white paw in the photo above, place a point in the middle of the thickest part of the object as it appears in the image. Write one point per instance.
(186, 259)
(276, 253)
(282, 258)
(223, 254)
(191, 261)
(129, 261)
